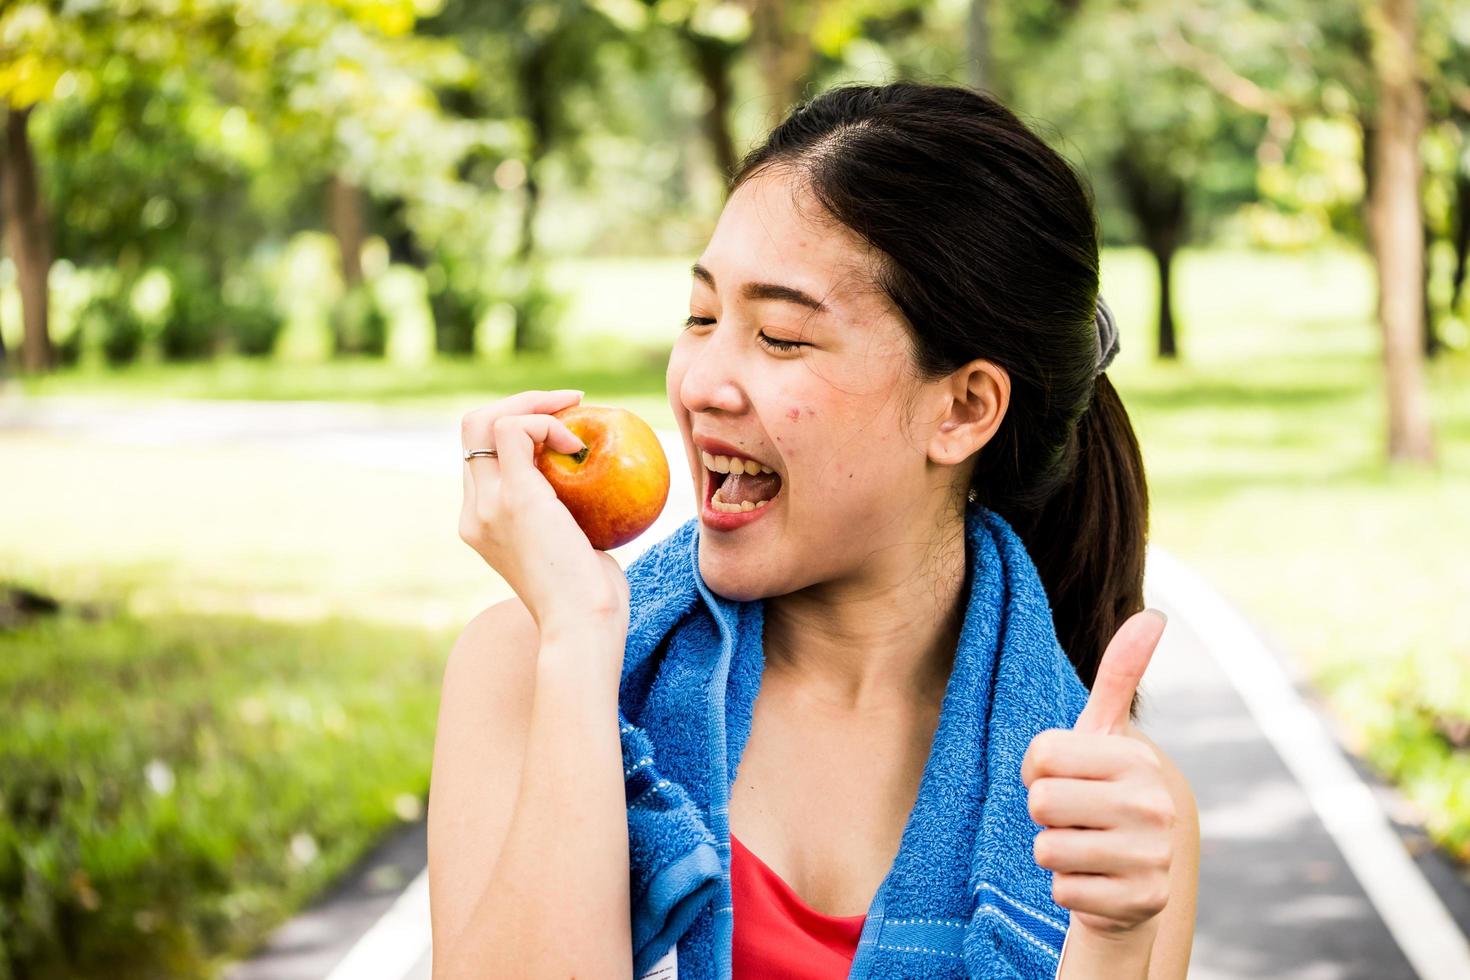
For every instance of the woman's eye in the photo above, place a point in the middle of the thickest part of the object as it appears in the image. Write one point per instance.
(771, 342)
(775, 344)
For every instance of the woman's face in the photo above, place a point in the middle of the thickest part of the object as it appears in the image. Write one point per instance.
(829, 416)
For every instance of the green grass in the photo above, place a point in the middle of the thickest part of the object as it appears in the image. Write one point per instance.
(275, 630)
(1265, 456)
(176, 785)
(1264, 448)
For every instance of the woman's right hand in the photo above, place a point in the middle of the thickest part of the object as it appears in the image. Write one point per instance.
(513, 519)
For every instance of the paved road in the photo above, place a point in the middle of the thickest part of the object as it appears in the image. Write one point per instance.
(1293, 882)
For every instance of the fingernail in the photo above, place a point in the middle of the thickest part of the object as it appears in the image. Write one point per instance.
(1159, 613)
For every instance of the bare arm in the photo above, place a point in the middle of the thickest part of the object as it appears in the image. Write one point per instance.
(1172, 946)
(528, 832)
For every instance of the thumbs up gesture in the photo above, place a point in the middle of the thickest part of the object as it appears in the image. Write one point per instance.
(1101, 796)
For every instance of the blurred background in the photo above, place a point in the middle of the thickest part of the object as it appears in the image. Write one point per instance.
(260, 255)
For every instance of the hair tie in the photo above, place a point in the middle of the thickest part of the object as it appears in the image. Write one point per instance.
(1107, 337)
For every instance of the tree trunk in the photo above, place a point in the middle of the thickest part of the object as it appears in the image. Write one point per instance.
(537, 91)
(978, 41)
(1368, 124)
(780, 34)
(1159, 204)
(1168, 345)
(1432, 343)
(1462, 238)
(28, 239)
(344, 214)
(1398, 227)
(713, 60)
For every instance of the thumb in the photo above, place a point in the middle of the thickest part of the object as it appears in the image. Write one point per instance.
(1119, 672)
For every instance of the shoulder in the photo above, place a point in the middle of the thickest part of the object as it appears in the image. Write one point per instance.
(506, 622)
(490, 675)
(479, 745)
(494, 656)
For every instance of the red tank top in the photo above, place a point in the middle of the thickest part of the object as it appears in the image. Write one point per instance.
(777, 935)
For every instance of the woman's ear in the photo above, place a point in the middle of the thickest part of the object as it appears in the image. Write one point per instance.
(974, 400)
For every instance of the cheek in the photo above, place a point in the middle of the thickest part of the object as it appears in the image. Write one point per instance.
(674, 376)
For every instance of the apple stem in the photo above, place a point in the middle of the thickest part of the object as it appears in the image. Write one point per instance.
(580, 454)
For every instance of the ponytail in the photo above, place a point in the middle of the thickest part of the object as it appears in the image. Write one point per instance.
(1088, 540)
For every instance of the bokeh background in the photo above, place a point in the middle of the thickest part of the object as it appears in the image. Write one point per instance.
(252, 248)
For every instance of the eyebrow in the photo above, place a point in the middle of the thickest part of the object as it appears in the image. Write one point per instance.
(766, 290)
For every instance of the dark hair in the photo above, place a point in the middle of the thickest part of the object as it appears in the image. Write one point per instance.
(987, 242)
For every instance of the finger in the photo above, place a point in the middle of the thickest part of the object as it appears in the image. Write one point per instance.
(485, 470)
(516, 437)
(1110, 896)
(1062, 801)
(1122, 667)
(476, 426)
(1068, 850)
(1080, 755)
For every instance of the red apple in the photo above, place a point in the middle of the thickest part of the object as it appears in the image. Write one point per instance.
(615, 487)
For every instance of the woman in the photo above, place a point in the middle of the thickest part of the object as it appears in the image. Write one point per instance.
(897, 315)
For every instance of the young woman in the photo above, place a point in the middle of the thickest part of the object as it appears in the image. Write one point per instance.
(898, 316)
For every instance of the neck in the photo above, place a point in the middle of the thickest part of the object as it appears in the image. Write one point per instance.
(881, 640)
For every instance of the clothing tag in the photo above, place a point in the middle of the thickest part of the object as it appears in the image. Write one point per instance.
(666, 968)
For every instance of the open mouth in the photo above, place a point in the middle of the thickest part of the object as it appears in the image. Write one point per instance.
(735, 493)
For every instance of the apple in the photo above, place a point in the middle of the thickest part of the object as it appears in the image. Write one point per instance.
(617, 485)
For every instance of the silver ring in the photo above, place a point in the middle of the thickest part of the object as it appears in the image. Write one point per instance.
(478, 452)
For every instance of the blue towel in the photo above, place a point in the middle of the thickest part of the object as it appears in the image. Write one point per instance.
(964, 896)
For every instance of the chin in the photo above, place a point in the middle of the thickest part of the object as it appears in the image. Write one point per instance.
(731, 581)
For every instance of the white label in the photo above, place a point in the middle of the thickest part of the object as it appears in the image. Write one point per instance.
(666, 968)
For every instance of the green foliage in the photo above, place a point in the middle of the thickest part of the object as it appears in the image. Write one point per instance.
(358, 325)
(456, 307)
(538, 306)
(173, 787)
(108, 322)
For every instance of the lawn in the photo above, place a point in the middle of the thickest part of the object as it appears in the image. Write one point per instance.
(251, 706)
(174, 785)
(1264, 448)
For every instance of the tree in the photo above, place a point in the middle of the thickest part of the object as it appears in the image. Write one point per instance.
(1397, 223)
(1367, 52)
(27, 238)
(1155, 138)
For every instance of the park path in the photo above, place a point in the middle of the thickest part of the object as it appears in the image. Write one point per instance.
(1304, 874)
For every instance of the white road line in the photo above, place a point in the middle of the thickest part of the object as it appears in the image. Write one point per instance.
(395, 943)
(1408, 905)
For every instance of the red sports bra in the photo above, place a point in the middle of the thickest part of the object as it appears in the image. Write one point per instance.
(777, 935)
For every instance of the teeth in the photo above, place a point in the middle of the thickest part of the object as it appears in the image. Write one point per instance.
(733, 464)
(717, 504)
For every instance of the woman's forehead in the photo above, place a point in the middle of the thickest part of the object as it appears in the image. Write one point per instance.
(763, 236)
(776, 213)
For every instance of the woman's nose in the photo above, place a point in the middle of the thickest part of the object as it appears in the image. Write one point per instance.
(711, 378)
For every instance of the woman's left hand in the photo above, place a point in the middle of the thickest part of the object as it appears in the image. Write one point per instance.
(1100, 794)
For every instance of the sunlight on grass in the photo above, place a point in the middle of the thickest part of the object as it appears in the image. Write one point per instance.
(239, 529)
